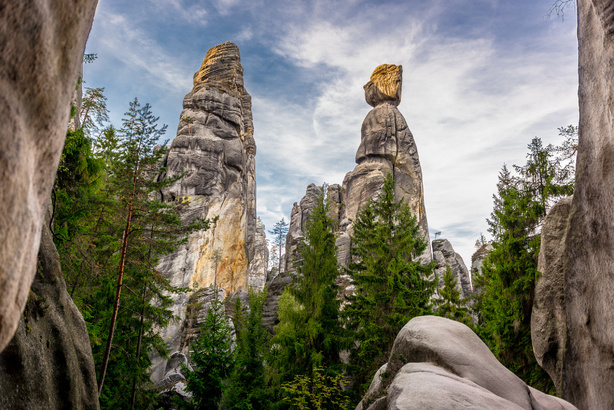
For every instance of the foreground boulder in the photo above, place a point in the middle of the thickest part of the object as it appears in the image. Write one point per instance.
(573, 315)
(40, 58)
(437, 363)
(48, 364)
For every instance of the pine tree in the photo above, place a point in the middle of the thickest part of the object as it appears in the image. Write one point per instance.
(211, 358)
(247, 387)
(310, 334)
(391, 285)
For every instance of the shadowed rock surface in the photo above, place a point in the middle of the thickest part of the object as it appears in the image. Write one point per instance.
(437, 363)
(215, 149)
(48, 364)
(577, 258)
(40, 57)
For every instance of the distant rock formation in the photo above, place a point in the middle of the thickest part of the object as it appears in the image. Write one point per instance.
(42, 50)
(48, 364)
(444, 255)
(215, 148)
(387, 145)
(477, 259)
(437, 363)
(573, 315)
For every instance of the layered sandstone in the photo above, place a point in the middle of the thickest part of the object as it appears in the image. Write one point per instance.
(40, 56)
(573, 315)
(445, 256)
(215, 152)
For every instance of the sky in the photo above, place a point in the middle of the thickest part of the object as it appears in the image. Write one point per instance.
(481, 78)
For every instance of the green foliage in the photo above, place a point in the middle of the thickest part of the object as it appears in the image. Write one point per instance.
(279, 231)
(505, 288)
(211, 358)
(310, 334)
(247, 387)
(317, 391)
(451, 305)
(391, 285)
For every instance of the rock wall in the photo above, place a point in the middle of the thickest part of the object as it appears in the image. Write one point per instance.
(215, 152)
(40, 58)
(48, 364)
(577, 262)
(437, 363)
(444, 255)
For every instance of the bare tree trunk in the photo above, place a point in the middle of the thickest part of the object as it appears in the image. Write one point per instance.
(120, 277)
(138, 348)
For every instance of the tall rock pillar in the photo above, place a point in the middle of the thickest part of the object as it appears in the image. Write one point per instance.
(387, 145)
(215, 152)
(572, 325)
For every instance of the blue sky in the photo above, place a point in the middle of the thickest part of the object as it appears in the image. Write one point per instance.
(481, 78)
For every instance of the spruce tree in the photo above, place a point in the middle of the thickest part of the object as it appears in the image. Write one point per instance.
(450, 304)
(505, 288)
(247, 387)
(310, 334)
(391, 286)
(211, 359)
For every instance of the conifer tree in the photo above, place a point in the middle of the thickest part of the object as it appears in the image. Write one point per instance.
(310, 334)
(451, 305)
(279, 231)
(505, 288)
(391, 285)
(211, 358)
(247, 387)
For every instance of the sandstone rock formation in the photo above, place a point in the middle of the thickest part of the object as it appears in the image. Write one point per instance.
(387, 145)
(48, 364)
(40, 57)
(444, 255)
(215, 152)
(477, 259)
(437, 363)
(577, 256)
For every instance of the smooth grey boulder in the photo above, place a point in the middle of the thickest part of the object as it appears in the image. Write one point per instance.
(578, 349)
(437, 363)
(40, 57)
(48, 364)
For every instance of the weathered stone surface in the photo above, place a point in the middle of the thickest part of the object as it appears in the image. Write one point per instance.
(584, 337)
(437, 363)
(40, 58)
(548, 330)
(257, 268)
(296, 229)
(477, 259)
(387, 145)
(444, 255)
(48, 364)
(269, 309)
(215, 150)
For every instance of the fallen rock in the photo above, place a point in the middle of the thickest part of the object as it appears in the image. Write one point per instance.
(40, 58)
(437, 363)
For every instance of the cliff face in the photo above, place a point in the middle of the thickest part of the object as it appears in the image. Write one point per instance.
(572, 324)
(48, 364)
(215, 152)
(41, 52)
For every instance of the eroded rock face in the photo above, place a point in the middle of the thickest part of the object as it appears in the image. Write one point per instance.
(387, 145)
(215, 149)
(48, 364)
(444, 255)
(437, 363)
(578, 351)
(40, 58)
